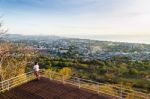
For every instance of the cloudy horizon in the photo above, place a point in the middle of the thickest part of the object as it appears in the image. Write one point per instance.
(119, 20)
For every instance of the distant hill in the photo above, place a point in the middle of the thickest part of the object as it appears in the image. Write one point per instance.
(17, 37)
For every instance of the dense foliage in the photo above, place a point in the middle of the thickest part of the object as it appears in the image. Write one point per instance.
(117, 70)
(13, 59)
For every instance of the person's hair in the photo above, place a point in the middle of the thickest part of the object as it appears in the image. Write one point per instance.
(36, 63)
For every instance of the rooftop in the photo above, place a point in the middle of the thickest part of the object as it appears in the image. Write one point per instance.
(50, 89)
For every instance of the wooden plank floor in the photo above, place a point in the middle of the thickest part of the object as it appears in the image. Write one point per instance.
(48, 89)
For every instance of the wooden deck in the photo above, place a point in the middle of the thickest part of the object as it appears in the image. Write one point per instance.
(48, 89)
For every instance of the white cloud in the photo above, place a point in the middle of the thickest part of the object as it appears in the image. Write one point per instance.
(92, 17)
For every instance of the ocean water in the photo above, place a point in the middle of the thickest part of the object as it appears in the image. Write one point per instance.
(117, 38)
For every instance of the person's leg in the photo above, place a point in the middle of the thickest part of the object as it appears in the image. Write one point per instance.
(35, 74)
(38, 75)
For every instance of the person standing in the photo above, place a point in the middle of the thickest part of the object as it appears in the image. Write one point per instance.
(36, 70)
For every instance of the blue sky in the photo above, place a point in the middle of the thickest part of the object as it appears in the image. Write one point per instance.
(79, 18)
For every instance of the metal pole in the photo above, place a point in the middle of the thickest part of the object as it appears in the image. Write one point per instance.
(2, 86)
(26, 79)
(63, 79)
(121, 91)
(8, 85)
(79, 83)
(148, 96)
(50, 75)
(98, 88)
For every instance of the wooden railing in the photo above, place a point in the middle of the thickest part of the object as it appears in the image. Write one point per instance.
(108, 89)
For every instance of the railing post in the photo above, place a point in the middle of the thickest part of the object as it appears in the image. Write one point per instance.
(121, 91)
(148, 96)
(98, 88)
(26, 79)
(50, 75)
(2, 86)
(63, 79)
(79, 83)
(8, 85)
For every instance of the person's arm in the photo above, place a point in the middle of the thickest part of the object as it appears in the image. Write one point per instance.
(34, 68)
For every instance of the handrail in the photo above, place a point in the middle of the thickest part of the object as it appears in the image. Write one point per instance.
(17, 76)
(119, 92)
(15, 81)
(88, 80)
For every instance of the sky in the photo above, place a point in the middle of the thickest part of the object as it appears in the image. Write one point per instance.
(112, 20)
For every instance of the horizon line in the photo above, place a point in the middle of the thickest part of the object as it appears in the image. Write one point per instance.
(86, 37)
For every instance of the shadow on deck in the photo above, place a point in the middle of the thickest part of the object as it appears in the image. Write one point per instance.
(50, 89)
